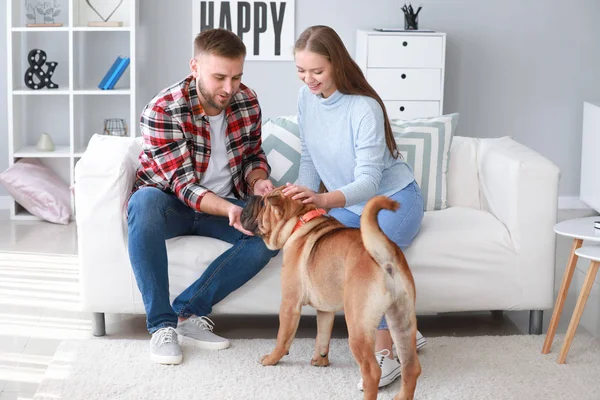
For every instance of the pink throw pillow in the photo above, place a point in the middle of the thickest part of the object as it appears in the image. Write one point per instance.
(39, 190)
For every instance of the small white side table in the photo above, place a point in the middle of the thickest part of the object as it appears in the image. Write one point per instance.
(579, 229)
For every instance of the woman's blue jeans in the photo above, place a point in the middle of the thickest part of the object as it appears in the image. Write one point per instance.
(401, 226)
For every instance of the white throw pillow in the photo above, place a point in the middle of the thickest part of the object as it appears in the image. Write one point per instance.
(425, 145)
(39, 190)
(281, 144)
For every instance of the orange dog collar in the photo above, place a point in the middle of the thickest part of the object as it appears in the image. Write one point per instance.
(309, 216)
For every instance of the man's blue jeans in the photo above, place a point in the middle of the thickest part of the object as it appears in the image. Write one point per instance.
(155, 216)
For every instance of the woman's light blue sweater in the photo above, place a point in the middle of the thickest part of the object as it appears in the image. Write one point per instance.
(343, 145)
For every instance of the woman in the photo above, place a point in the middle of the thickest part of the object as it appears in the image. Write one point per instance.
(347, 143)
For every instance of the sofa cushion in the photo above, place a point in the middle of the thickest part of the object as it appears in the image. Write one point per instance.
(464, 259)
(281, 144)
(463, 173)
(425, 144)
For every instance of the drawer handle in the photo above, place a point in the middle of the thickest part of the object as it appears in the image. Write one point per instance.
(404, 43)
(403, 76)
(401, 108)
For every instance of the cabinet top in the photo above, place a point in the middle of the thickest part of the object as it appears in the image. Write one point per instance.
(373, 32)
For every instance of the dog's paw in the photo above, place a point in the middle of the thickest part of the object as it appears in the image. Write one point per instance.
(320, 361)
(268, 360)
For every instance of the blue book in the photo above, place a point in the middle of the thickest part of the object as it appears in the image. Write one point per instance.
(110, 72)
(118, 73)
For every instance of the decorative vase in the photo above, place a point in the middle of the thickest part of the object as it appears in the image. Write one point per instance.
(45, 143)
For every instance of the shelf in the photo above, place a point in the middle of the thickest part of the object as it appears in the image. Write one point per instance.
(74, 29)
(32, 152)
(79, 151)
(62, 92)
(41, 92)
(41, 29)
(102, 29)
(24, 215)
(99, 92)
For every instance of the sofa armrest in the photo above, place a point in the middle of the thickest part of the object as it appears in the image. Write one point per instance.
(520, 187)
(103, 180)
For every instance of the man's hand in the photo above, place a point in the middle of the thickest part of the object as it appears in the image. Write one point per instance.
(305, 194)
(263, 187)
(234, 214)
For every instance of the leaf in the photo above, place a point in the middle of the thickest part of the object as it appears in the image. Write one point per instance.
(40, 9)
(56, 13)
(30, 16)
(48, 11)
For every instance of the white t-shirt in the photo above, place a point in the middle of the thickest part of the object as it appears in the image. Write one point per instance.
(217, 177)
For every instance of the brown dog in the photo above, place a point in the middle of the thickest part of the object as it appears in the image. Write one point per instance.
(331, 267)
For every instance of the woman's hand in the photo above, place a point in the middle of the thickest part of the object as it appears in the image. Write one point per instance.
(305, 194)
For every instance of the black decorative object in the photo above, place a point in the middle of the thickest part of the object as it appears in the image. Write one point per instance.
(35, 76)
(411, 18)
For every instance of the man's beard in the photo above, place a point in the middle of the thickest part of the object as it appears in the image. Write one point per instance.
(210, 98)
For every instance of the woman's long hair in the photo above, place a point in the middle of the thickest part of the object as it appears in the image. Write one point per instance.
(347, 75)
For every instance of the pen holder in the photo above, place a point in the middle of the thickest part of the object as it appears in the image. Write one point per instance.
(411, 22)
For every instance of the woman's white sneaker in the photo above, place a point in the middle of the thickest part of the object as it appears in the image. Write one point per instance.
(390, 369)
(421, 341)
(164, 348)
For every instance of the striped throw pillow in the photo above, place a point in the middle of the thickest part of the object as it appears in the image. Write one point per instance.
(425, 145)
(281, 144)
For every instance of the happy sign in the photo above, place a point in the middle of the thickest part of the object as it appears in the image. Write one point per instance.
(265, 27)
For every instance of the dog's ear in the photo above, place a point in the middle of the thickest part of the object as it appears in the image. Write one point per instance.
(276, 202)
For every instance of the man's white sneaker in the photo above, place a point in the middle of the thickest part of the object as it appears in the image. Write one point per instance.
(421, 341)
(164, 348)
(197, 331)
(390, 369)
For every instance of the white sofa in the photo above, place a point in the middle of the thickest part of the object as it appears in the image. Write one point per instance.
(491, 249)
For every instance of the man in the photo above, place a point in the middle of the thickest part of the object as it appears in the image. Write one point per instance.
(201, 156)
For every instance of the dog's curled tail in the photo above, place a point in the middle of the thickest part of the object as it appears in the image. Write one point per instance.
(376, 242)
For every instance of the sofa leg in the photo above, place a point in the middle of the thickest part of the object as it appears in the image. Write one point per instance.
(98, 324)
(536, 318)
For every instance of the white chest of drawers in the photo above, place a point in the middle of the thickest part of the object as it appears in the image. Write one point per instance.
(406, 69)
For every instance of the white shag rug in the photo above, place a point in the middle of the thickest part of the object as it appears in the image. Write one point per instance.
(486, 367)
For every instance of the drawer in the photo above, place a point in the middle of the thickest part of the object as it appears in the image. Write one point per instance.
(405, 51)
(412, 109)
(406, 84)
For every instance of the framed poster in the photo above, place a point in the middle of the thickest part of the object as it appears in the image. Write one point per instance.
(265, 27)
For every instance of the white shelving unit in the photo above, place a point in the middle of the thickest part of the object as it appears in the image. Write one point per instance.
(76, 110)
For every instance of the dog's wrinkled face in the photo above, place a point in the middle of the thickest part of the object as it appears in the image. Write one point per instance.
(273, 217)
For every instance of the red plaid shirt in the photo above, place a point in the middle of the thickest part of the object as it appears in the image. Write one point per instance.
(176, 142)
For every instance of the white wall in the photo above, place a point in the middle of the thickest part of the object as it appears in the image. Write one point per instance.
(514, 67)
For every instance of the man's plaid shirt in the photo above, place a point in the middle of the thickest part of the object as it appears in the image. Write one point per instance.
(176, 142)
